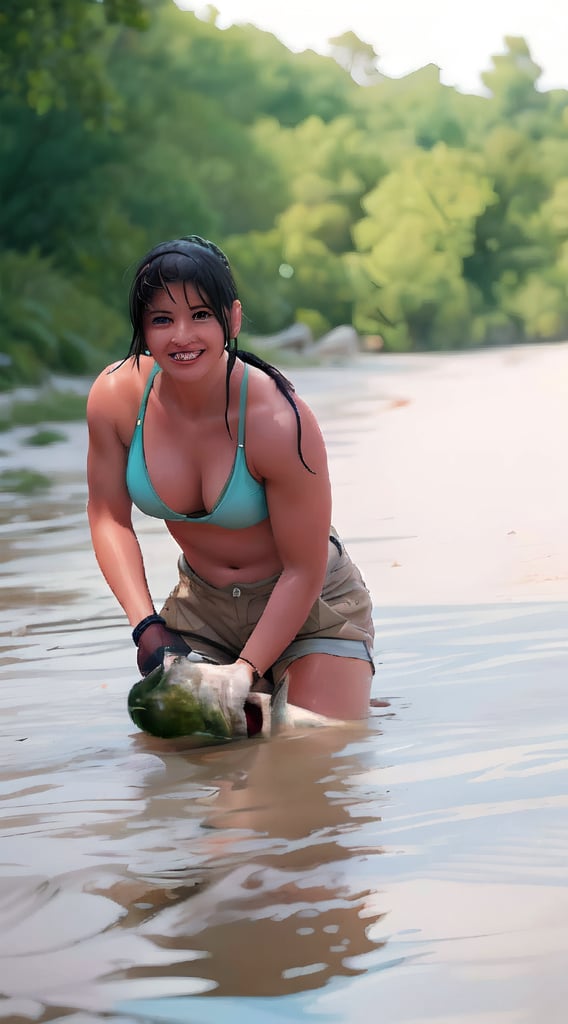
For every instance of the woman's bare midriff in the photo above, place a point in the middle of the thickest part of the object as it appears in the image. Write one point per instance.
(222, 556)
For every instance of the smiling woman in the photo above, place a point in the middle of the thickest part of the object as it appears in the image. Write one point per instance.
(214, 441)
(180, 327)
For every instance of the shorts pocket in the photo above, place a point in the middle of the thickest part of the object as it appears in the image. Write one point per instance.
(322, 617)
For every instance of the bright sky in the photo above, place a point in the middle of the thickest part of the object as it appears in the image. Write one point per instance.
(459, 36)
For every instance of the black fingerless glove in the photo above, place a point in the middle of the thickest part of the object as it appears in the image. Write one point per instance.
(152, 637)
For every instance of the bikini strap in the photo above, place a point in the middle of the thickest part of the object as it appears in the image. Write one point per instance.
(147, 389)
(243, 408)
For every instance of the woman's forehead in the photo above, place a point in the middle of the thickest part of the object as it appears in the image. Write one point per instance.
(177, 293)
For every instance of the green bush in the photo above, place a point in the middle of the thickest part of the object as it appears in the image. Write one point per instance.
(42, 438)
(50, 407)
(23, 481)
(315, 320)
(50, 324)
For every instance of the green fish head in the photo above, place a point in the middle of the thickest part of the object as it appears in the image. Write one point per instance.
(170, 703)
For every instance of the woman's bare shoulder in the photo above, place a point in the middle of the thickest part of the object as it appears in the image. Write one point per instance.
(272, 425)
(116, 393)
(268, 402)
(122, 378)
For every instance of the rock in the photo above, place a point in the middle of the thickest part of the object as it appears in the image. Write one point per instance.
(297, 337)
(341, 341)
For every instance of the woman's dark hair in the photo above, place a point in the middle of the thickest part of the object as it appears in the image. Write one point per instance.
(205, 266)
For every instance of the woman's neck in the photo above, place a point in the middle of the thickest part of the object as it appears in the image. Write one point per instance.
(194, 397)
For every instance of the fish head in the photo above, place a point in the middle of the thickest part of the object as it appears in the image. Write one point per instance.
(181, 698)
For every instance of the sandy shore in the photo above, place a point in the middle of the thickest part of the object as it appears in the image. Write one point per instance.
(416, 867)
(464, 490)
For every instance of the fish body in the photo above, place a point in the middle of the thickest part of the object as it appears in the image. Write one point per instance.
(180, 699)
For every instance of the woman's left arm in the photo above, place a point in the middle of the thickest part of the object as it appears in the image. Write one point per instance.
(299, 504)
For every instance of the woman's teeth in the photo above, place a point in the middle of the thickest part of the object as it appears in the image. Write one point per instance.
(185, 357)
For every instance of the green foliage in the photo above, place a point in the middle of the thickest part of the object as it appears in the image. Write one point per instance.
(265, 294)
(319, 280)
(199, 168)
(23, 481)
(357, 57)
(419, 227)
(51, 52)
(49, 324)
(43, 438)
(513, 78)
(324, 161)
(432, 218)
(538, 304)
(314, 320)
(50, 406)
(419, 111)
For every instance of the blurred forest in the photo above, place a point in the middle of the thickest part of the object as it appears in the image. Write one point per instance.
(432, 218)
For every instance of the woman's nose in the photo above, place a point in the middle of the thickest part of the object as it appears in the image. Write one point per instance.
(182, 332)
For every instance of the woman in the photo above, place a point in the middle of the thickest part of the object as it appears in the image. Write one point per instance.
(213, 440)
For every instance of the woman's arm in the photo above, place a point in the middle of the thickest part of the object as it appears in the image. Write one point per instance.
(299, 504)
(109, 506)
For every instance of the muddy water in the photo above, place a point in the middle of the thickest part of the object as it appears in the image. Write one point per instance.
(413, 869)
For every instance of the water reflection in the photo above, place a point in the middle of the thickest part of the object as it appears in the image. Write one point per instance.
(237, 872)
(269, 892)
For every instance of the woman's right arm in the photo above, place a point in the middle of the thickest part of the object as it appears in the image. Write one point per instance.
(109, 506)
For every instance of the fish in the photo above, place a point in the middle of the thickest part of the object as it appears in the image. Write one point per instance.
(178, 700)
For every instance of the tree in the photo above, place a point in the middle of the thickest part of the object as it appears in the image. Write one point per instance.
(357, 57)
(419, 227)
(49, 53)
(512, 80)
(195, 158)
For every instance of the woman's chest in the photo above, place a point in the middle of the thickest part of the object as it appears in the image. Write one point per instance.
(188, 464)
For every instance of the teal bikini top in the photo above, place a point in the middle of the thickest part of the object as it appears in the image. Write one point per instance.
(242, 501)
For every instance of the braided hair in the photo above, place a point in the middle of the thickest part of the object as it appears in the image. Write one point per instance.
(201, 262)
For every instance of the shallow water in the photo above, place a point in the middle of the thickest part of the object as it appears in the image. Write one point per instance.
(412, 869)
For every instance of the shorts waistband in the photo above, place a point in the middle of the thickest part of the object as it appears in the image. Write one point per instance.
(258, 587)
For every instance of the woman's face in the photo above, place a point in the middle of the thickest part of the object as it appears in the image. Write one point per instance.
(182, 332)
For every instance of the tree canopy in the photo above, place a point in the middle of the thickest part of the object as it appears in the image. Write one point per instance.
(52, 51)
(430, 217)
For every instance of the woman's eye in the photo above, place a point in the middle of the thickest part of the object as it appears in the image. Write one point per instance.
(157, 320)
(202, 314)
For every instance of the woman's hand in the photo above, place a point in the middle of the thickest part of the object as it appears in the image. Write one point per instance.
(236, 677)
(233, 683)
(153, 643)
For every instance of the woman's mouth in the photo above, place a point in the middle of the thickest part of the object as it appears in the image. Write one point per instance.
(185, 357)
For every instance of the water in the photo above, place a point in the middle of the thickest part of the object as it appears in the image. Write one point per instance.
(412, 869)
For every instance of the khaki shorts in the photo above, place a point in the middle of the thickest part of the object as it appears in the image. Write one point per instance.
(217, 621)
